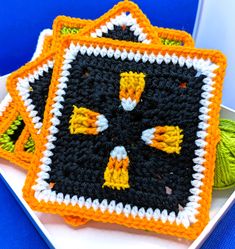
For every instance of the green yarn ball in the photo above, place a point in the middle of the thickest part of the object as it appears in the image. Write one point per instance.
(225, 156)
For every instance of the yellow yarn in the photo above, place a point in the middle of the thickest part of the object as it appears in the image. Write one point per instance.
(225, 156)
(131, 85)
(168, 139)
(116, 174)
(83, 121)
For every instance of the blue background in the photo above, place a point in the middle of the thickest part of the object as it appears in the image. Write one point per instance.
(223, 236)
(22, 21)
(17, 229)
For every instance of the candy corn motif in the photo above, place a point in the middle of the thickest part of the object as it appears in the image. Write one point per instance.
(131, 87)
(88, 122)
(116, 174)
(165, 138)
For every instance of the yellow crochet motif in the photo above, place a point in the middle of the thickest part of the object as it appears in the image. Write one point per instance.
(116, 174)
(131, 87)
(167, 139)
(83, 121)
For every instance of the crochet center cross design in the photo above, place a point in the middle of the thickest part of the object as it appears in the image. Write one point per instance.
(86, 121)
(136, 112)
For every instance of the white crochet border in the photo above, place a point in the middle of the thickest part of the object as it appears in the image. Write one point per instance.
(45, 33)
(122, 20)
(23, 87)
(8, 99)
(184, 217)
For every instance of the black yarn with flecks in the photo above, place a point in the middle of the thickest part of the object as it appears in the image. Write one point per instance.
(41, 86)
(79, 161)
(121, 33)
(39, 92)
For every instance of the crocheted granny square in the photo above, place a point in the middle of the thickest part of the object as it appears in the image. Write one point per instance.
(64, 25)
(11, 121)
(125, 21)
(30, 88)
(129, 135)
(25, 145)
(10, 129)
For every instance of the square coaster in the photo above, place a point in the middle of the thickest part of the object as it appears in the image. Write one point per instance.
(125, 21)
(30, 87)
(11, 121)
(10, 129)
(116, 23)
(64, 25)
(129, 135)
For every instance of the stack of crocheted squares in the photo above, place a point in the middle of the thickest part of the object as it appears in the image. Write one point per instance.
(117, 121)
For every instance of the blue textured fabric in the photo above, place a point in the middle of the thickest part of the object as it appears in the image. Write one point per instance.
(17, 228)
(22, 21)
(223, 236)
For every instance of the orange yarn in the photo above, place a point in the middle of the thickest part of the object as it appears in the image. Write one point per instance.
(9, 115)
(83, 121)
(118, 9)
(164, 33)
(75, 220)
(19, 156)
(167, 138)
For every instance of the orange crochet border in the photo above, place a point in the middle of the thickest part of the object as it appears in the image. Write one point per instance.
(47, 45)
(8, 116)
(70, 22)
(213, 135)
(19, 146)
(19, 156)
(176, 35)
(12, 83)
(118, 9)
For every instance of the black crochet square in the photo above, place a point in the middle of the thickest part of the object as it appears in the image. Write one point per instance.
(171, 97)
(40, 87)
(121, 33)
(17, 131)
(39, 92)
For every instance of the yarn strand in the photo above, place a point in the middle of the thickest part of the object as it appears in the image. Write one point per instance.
(225, 156)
